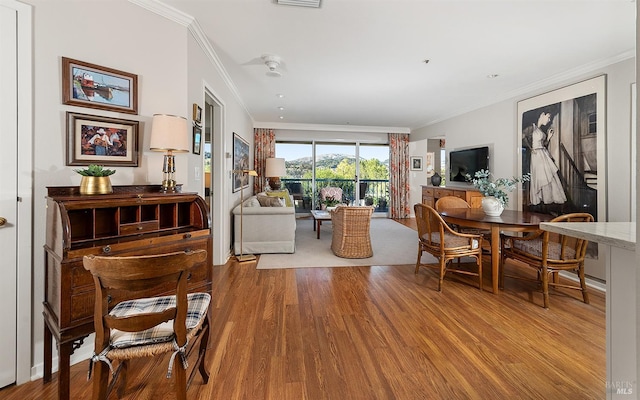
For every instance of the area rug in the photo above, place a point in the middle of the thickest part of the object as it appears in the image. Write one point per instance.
(392, 243)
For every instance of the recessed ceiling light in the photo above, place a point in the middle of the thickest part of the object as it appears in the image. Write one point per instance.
(281, 117)
(280, 95)
(281, 108)
(491, 76)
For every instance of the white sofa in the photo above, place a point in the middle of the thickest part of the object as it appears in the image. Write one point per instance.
(265, 229)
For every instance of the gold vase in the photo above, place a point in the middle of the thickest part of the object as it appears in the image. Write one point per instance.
(95, 185)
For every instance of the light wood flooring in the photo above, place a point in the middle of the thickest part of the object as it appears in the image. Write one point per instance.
(380, 332)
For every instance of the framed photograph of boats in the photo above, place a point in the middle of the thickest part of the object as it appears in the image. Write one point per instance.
(93, 139)
(93, 86)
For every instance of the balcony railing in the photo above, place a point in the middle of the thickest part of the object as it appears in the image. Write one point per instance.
(373, 192)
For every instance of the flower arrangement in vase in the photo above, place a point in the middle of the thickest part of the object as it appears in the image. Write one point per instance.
(496, 191)
(330, 202)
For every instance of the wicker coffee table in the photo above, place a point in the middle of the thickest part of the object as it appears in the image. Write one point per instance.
(318, 217)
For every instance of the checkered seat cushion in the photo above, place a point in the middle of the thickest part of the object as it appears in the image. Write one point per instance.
(534, 247)
(198, 304)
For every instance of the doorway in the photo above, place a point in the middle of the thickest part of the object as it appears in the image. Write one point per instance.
(16, 196)
(214, 145)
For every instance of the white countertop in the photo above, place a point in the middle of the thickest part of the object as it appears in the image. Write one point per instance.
(617, 234)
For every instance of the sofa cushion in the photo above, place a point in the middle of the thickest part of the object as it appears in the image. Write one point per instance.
(268, 201)
(252, 202)
(283, 194)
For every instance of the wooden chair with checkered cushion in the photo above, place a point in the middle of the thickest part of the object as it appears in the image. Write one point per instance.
(146, 327)
(548, 253)
(438, 239)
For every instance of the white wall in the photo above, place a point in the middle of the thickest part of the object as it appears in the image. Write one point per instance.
(171, 70)
(495, 125)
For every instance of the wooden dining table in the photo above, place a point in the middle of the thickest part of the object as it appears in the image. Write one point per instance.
(509, 220)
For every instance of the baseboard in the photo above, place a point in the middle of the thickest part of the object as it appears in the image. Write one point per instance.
(83, 353)
(591, 282)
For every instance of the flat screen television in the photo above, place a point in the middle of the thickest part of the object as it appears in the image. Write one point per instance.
(467, 161)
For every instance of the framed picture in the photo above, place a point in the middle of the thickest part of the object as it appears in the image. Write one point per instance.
(197, 114)
(430, 162)
(562, 137)
(93, 86)
(197, 139)
(416, 163)
(240, 162)
(100, 140)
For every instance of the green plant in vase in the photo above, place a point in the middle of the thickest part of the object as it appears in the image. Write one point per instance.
(95, 180)
(330, 201)
(497, 189)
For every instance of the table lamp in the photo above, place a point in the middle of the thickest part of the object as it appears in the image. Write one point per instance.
(242, 172)
(273, 170)
(169, 133)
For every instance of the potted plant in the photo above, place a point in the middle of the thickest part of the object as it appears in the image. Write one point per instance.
(95, 179)
(496, 191)
(330, 202)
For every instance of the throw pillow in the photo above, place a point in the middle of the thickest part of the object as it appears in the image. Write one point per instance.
(268, 201)
(283, 194)
(252, 202)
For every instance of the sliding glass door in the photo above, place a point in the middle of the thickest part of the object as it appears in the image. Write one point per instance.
(360, 170)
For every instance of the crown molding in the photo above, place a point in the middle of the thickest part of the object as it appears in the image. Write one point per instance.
(188, 21)
(331, 128)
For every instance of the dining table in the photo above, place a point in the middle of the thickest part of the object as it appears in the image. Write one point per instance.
(509, 220)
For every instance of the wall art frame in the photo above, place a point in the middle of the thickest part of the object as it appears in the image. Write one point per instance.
(562, 143)
(94, 86)
(93, 139)
(416, 163)
(240, 162)
(197, 114)
(197, 139)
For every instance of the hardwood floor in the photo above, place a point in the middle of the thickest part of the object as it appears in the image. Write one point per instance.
(380, 332)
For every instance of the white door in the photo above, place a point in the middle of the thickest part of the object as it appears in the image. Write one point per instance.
(8, 194)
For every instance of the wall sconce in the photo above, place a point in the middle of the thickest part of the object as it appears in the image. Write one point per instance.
(169, 133)
(273, 170)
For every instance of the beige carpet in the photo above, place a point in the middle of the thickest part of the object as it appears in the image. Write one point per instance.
(392, 242)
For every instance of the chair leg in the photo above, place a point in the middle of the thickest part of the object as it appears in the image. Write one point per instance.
(419, 257)
(100, 380)
(545, 286)
(443, 264)
(204, 343)
(583, 284)
(479, 261)
(123, 376)
(180, 379)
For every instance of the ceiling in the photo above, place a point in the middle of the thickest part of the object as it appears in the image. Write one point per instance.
(362, 62)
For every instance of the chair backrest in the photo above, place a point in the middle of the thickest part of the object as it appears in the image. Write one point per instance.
(334, 192)
(131, 276)
(578, 246)
(429, 222)
(450, 202)
(294, 187)
(352, 218)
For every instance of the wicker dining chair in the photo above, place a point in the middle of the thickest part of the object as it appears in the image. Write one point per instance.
(146, 327)
(438, 239)
(456, 202)
(548, 253)
(351, 232)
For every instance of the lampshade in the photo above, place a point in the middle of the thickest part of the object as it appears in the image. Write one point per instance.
(274, 168)
(169, 133)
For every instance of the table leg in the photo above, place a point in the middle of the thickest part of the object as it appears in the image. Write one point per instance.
(318, 222)
(495, 256)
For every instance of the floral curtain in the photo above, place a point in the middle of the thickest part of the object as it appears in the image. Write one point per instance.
(265, 147)
(399, 175)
